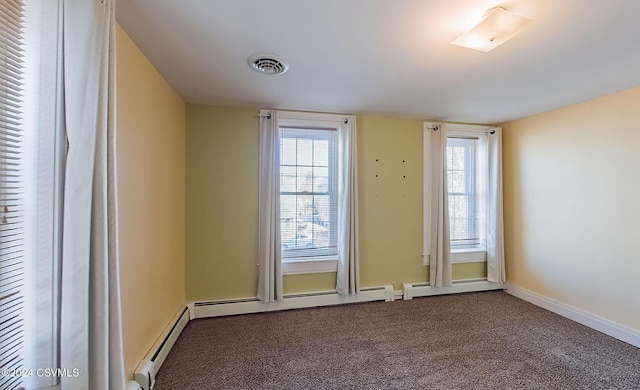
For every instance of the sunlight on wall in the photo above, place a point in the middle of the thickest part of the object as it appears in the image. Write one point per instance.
(151, 194)
(571, 186)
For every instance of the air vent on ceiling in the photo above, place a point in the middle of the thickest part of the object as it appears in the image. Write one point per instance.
(268, 64)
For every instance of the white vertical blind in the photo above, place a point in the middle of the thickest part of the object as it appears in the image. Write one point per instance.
(12, 194)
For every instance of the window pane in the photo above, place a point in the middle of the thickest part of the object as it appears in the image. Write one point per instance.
(288, 151)
(457, 217)
(304, 210)
(322, 210)
(457, 158)
(288, 179)
(304, 220)
(305, 152)
(320, 179)
(288, 208)
(321, 153)
(456, 181)
(305, 179)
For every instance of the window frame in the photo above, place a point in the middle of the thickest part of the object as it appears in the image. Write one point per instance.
(307, 120)
(471, 191)
(332, 190)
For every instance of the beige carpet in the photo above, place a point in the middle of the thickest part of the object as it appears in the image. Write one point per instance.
(487, 340)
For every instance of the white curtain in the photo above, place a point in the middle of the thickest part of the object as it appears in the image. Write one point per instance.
(348, 280)
(269, 251)
(90, 331)
(495, 228)
(440, 247)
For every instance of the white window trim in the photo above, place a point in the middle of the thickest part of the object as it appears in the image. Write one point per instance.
(332, 192)
(471, 255)
(310, 265)
(471, 181)
(459, 255)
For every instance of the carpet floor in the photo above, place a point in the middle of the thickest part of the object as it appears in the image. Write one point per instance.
(487, 340)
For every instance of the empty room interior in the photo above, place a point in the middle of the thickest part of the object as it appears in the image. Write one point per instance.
(355, 194)
(190, 147)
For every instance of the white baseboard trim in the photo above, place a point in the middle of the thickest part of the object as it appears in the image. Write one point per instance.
(601, 324)
(145, 373)
(228, 307)
(414, 290)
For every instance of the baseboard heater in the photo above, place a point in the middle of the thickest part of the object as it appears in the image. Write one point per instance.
(133, 385)
(146, 371)
(290, 301)
(414, 290)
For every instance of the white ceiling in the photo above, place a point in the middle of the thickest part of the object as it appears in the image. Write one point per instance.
(389, 56)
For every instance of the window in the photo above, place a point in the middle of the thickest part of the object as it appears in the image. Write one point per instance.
(467, 180)
(464, 205)
(308, 193)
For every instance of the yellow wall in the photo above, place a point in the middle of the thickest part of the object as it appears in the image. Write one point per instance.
(325, 281)
(571, 187)
(222, 202)
(390, 204)
(222, 205)
(151, 194)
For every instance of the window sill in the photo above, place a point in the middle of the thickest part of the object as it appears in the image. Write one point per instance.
(309, 265)
(468, 255)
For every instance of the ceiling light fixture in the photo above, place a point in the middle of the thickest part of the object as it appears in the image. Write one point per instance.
(268, 64)
(497, 27)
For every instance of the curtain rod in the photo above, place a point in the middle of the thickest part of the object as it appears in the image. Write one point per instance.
(268, 116)
(437, 127)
